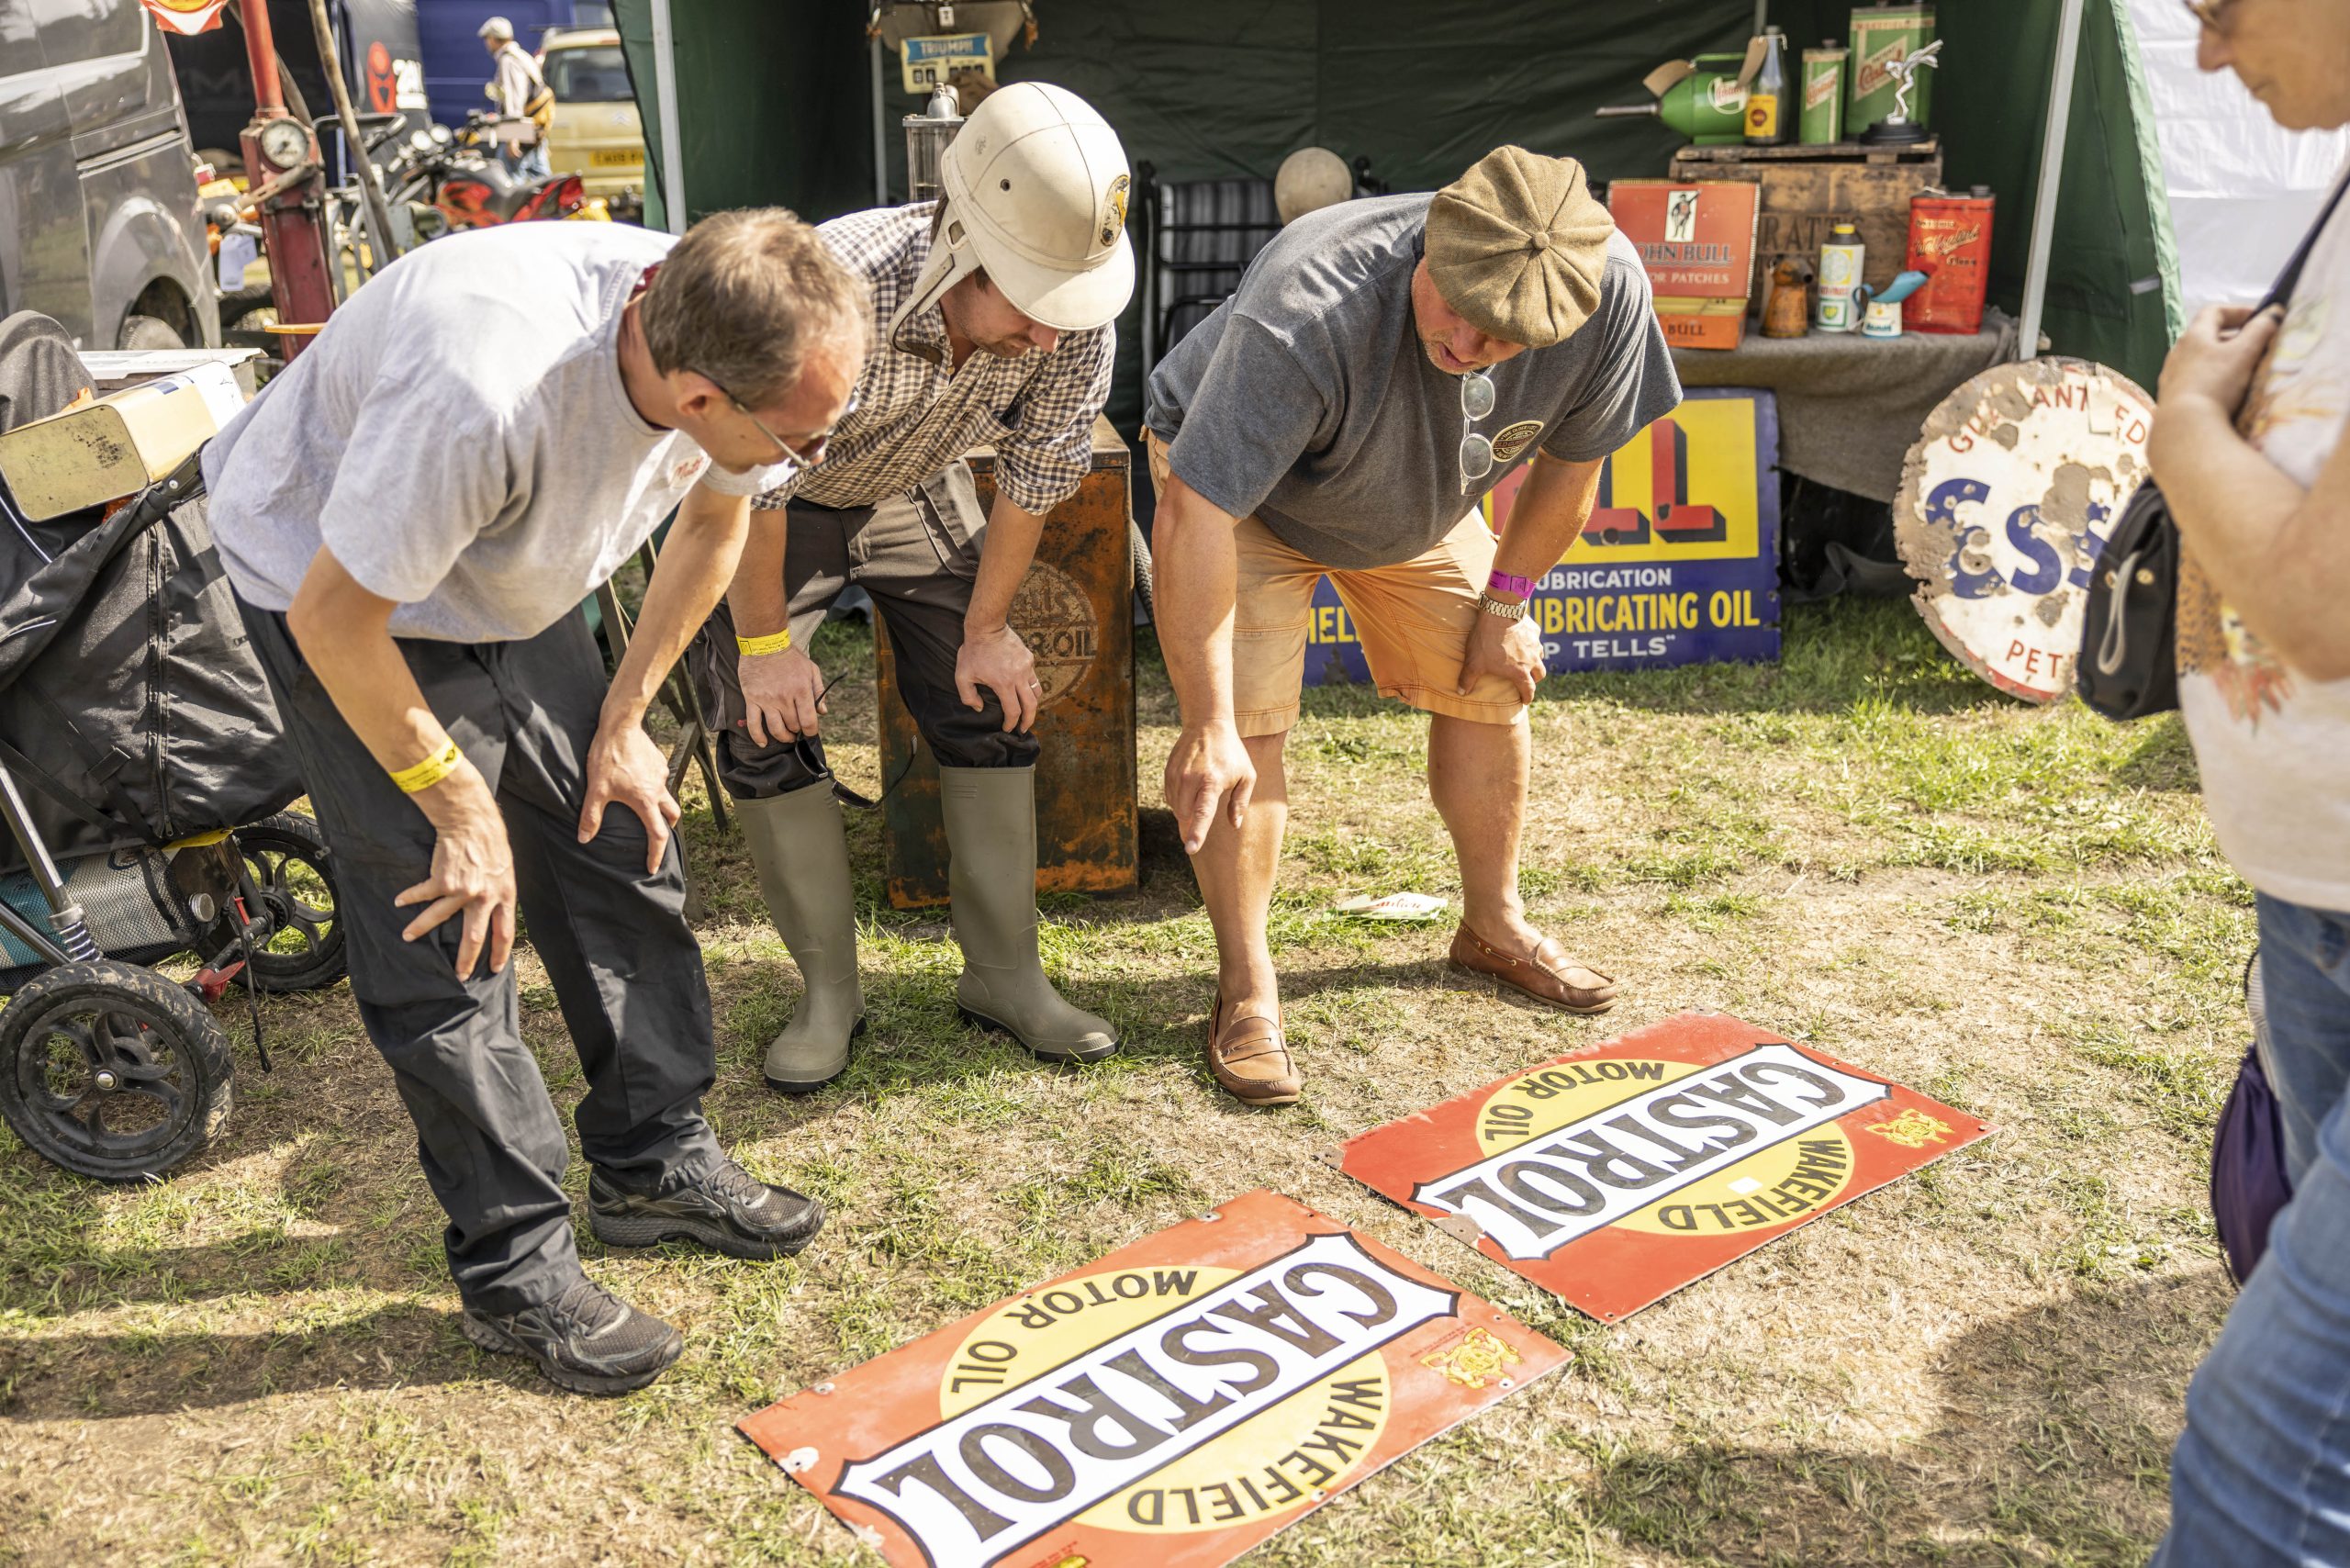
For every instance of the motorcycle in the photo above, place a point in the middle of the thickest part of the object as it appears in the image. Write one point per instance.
(458, 173)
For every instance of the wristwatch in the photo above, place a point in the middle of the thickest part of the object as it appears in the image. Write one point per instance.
(1501, 609)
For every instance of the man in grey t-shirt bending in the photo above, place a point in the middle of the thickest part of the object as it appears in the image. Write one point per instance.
(1383, 365)
(410, 516)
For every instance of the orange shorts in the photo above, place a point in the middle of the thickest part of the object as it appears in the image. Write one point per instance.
(1413, 620)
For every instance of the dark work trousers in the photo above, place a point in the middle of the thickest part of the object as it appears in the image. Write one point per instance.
(917, 555)
(627, 970)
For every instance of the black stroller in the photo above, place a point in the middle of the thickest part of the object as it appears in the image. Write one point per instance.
(144, 780)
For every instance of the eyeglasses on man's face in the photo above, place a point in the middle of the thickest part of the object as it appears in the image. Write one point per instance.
(809, 452)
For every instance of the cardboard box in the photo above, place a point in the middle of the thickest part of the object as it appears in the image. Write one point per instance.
(118, 445)
(1696, 240)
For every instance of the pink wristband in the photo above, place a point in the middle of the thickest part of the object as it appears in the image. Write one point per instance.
(1506, 583)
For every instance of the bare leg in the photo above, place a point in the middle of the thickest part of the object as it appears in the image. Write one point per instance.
(1477, 777)
(1235, 869)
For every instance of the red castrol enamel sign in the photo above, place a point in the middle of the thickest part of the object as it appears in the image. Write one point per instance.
(1614, 1176)
(1172, 1403)
(2006, 500)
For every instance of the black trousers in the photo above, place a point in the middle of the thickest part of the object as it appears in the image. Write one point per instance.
(918, 555)
(626, 968)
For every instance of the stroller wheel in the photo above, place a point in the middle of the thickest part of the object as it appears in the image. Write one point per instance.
(110, 1071)
(287, 859)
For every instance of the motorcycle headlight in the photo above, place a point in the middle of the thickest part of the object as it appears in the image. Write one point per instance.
(284, 142)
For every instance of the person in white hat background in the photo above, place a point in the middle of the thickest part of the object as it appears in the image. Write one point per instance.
(516, 90)
(992, 312)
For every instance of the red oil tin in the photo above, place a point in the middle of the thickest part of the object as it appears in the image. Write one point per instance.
(1950, 242)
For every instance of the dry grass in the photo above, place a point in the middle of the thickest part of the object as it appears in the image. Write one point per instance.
(2020, 911)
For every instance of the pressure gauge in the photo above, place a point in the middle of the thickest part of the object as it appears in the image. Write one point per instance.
(284, 142)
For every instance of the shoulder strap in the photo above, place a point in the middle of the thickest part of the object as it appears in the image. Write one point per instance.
(2281, 291)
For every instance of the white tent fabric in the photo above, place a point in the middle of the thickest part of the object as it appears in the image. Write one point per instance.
(2242, 191)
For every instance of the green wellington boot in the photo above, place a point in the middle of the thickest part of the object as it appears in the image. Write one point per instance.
(801, 851)
(992, 835)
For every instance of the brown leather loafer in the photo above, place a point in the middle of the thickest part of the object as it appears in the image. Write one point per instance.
(1251, 1059)
(1549, 976)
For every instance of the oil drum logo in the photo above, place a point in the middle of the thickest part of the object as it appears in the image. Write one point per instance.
(1514, 439)
(1055, 618)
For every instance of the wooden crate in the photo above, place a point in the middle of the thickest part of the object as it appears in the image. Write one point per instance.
(1076, 610)
(1807, 191)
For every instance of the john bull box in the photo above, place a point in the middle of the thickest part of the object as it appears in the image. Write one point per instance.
(1678, 563)
(1174, 1402)
(1615, 1175)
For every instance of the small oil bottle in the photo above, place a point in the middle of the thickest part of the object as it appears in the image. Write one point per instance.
(1766, 121)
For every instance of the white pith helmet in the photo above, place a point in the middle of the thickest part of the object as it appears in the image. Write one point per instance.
(1034, 190)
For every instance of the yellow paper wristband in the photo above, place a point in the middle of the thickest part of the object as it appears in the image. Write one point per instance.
(751, 647)
(429, 772)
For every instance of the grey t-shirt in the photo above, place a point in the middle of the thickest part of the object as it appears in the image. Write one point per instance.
(1307, 399)
(460, 438)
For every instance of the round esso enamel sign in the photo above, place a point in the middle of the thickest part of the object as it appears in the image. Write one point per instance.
(2006, 500)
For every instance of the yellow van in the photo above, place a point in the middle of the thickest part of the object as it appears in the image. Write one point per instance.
(597, 134)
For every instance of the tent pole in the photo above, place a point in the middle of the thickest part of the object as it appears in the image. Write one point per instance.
(881, 133)
(665, 85)
(2052, 168)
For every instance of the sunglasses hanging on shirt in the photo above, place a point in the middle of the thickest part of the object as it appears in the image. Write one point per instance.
(1476, 450)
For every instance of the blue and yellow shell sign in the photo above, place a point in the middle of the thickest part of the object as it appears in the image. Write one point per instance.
(1678, 563)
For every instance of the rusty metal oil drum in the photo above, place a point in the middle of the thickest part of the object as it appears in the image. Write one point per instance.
(1075, 610)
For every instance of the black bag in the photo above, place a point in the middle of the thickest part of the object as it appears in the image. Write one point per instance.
(2250, 1184)
(132, 709)
(2128, 664)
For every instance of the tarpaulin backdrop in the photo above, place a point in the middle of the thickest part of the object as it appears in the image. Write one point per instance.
(775, 106)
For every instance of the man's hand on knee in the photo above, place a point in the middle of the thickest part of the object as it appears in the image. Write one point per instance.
(1000, 661)
(1507, 650)
(783, 695)
(473, 870)
(1210, 764)
(626, 769)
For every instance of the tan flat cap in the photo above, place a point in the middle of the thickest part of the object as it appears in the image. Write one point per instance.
(1519, 245)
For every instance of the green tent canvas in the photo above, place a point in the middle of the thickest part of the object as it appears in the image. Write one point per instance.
(775, 104)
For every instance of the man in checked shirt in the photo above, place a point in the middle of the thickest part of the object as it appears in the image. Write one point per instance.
(992, 317)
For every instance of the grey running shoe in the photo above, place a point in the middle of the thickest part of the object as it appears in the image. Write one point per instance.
(586, 1340)
(729, 1211)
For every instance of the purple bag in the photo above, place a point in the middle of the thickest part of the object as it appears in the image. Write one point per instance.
(2249, 1183)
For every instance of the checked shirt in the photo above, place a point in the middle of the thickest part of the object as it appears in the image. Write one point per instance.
(914, 415)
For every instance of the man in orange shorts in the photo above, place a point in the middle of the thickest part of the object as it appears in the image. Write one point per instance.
(1383, 364)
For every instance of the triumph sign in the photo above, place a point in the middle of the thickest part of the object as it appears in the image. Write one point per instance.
(1617, 1175)
(1182, 1399)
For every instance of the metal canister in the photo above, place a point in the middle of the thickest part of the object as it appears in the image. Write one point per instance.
(1950, 242)
(1822, 122)
(1840, 274)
